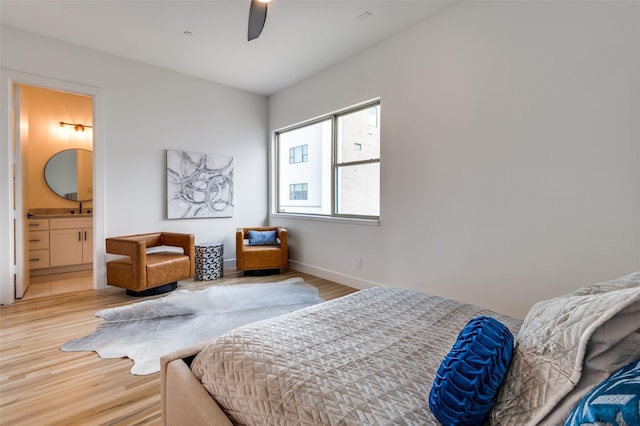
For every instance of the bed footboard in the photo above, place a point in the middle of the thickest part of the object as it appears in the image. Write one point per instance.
(184, 400)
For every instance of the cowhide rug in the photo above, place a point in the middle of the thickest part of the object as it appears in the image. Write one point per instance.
(145, 331)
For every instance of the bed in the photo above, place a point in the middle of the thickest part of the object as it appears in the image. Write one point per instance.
(370, 358)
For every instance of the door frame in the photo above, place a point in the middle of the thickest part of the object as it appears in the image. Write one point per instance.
(7, 268)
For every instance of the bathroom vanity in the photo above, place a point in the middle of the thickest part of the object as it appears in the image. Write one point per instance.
(60, 236)
(60, 243)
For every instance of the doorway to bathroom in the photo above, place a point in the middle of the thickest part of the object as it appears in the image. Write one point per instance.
(54, 192)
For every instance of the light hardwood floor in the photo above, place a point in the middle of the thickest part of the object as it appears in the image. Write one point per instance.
(47, 285)
(41, 385)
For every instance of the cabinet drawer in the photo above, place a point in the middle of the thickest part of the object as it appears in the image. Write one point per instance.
(71, 222)
(38, 259)
(38, 240)
(38, 224)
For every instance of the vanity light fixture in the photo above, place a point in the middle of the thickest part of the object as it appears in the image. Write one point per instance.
(76, 127)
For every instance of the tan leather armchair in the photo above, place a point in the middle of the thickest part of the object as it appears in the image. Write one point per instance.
(144, 273)
(261, 257)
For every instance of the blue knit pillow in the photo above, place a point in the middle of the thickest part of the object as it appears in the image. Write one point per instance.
(469, 376)
(262, 238)
(615, 401)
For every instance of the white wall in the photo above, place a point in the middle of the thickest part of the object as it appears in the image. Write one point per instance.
(146, 111)
(510, 153)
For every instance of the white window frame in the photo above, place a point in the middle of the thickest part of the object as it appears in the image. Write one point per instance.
(360, 219)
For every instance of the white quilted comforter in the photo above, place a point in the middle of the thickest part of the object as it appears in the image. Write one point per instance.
(365, 359)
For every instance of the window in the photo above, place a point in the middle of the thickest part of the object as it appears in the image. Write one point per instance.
(338, 159)
(373, 116)
(299, 154)
(298, 191)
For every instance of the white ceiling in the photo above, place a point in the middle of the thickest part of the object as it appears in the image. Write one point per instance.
(300, 38)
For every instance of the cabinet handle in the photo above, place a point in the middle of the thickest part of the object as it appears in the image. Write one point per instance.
(34, 224)
(34, 260)
(34, 241)
(85, 235)
(79, 235)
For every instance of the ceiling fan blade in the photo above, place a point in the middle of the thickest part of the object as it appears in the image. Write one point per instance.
(257, 18)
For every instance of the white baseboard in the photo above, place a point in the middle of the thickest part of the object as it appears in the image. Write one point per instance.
(340, 278)
(348, 280)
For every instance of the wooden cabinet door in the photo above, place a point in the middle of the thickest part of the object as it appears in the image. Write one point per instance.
(87, 245)
(65, 247)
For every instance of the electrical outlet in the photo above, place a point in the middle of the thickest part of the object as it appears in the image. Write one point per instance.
(358, 263)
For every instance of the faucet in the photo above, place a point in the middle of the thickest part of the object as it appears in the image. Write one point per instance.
(80, 210)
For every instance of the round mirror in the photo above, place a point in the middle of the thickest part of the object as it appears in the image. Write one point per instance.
(69, 174)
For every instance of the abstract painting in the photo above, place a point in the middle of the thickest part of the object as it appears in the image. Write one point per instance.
(199, 185)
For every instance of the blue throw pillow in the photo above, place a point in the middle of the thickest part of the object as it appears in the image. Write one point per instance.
(262, 238)
(469, 376)
(615, 401)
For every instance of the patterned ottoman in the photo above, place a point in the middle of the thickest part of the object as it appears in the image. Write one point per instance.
(209, 258)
